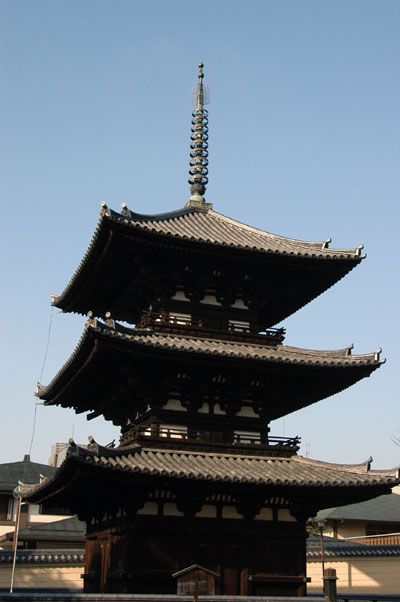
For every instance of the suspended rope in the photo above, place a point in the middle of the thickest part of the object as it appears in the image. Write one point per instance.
(17, 490)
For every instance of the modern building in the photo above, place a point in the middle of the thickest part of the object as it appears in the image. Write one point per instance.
(63, 534)
(11, 474)
(194, 382)
(375, 521)
(58, 454)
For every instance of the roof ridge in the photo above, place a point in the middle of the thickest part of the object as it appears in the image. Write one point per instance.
(183, 452)
(152, 217)
(362, 467)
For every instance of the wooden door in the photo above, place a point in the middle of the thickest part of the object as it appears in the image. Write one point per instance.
(231, 568)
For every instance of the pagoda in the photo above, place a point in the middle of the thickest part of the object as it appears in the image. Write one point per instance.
(193, 382)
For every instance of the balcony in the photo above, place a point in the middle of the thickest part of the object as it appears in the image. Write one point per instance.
(223, 328)
(181, 437)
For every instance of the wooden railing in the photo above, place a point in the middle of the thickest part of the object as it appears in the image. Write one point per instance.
(165, 320)
(385, 539)
(182, 434)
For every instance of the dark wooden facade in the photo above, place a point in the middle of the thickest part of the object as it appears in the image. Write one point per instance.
(143, 555)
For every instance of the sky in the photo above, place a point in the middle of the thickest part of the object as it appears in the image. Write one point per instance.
(95, 105)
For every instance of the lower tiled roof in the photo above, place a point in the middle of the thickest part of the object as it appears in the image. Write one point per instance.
(240, 468)
(295, 471)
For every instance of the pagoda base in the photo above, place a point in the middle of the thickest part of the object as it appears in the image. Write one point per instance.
(251, 557)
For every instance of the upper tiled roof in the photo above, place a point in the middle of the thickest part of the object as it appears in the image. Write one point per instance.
(110, 267)
(208, 226)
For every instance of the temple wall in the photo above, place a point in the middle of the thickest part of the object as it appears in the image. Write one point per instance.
(380, 575)
(43, 577)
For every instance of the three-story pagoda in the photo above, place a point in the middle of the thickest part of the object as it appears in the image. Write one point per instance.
(193, 384)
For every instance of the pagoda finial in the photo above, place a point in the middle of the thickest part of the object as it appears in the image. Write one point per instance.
(198, 169)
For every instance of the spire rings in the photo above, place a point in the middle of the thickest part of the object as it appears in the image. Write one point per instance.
(198, 165)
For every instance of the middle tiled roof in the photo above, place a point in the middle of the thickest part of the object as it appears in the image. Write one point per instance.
(237, 349)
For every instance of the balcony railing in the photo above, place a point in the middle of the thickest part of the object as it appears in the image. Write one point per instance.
(175, 322)
(238, 439)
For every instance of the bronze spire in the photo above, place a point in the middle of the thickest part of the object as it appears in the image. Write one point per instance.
(198, 169)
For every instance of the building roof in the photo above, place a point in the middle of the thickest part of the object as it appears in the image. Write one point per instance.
(339, 548)
(66, 530)
(56, 556)
(25, 471)
(385, 508)
(104, 348)
(208, 226)
(217, 467)
(120, 237)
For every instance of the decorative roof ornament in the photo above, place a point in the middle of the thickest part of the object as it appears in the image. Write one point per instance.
(198, 170)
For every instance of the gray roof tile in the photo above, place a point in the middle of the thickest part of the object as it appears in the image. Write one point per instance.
(385, 508)
(227, 467)
(25, 471)
(212, 227)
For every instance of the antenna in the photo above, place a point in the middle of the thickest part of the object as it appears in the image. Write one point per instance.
(200, 93)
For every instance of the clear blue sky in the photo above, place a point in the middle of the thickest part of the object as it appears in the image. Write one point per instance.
(304, 141)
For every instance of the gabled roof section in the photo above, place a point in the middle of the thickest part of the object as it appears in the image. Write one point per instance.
(201, 229)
